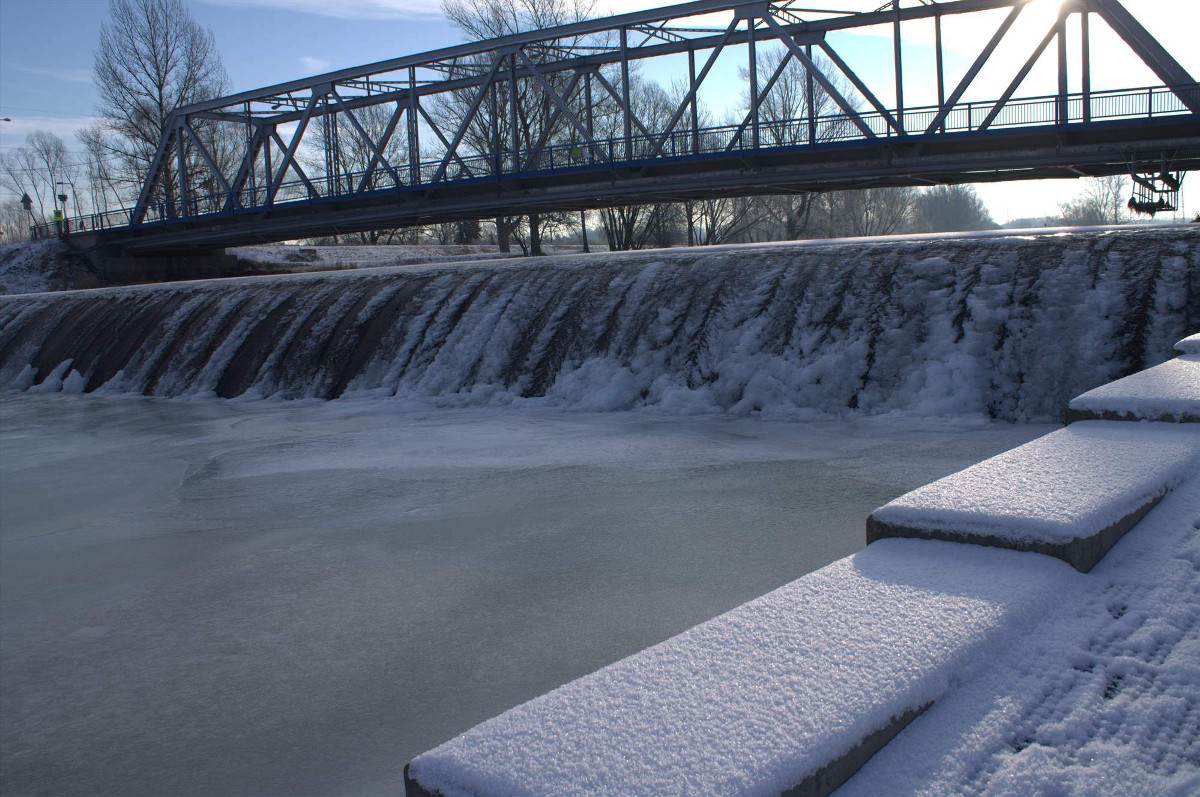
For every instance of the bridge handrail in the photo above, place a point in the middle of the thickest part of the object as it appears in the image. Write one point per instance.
(963, 118)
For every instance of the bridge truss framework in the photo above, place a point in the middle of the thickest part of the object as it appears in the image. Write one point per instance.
(551, 119)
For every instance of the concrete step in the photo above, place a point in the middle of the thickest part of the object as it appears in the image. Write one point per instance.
(1168, 392)
(1070, 494)
(787, 694)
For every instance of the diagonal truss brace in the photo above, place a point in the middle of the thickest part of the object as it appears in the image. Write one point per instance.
(661, 140)
(377, 155)
(1153, 54)
(549, 91)
(452, 148)
(819, 76)
(969, 77)
(1023, 72)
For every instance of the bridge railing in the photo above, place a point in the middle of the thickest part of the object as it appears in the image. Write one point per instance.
(966, 118)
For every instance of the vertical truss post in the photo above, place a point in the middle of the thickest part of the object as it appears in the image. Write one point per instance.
(268, 174)
(414, 123)
(695, 110)
(751, 21)
(898, 55)
(252, 154)
(513, 115)
(941, 68)
(1086, 57)
(1064, 111)
(590, 121)
(810, 94)
(494, 131)
(181, 166)
(625, 112)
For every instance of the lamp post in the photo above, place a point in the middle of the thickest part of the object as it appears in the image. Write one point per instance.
(27, 203)
(63, 227)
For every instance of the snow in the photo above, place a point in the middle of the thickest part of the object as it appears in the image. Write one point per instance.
(1170, 391)
(1100, 698)
(1070, 484)
(297, 258)
(259, 597)
(1189, 345)
(40, 266)
(752, 702)
(1008, 327)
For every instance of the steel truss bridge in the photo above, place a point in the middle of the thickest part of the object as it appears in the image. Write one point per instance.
(551, 119)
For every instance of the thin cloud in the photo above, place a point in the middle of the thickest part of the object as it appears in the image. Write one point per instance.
(314, 64)
(65, 127)
(63, 73)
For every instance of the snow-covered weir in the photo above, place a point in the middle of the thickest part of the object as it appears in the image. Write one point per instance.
(1010, 326)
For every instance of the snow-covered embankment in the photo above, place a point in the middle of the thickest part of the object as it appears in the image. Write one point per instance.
(1011, 327)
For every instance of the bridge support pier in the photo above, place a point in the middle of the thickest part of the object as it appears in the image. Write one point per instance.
(112, 266)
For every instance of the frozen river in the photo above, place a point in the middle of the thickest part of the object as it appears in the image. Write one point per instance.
(265, 598)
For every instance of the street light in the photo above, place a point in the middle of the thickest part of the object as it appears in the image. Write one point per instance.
(27, 203)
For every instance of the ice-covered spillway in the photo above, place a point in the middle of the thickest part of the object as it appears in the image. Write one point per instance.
(1010, 326)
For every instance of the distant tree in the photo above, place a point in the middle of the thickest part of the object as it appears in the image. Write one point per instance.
(38, 169)
(1102, 201)
(863, 212)
(14, 222)
(950, 208)
(467, 232)
(153, 57)
(724, 220)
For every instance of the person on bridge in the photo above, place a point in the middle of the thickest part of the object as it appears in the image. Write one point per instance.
(59, 221)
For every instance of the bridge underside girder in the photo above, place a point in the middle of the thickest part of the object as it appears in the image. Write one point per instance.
(1013, 154)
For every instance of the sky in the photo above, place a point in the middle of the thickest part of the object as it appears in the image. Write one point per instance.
(47, 46)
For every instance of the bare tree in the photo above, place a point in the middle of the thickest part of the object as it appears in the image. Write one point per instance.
(14, 222)
(725, 220)
(862, 212)
(1101, 202)
(43, 169)
(486, 19)
(950, 208)
(153, 57)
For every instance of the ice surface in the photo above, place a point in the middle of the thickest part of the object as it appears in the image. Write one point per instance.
(1098, 699)
(1170, 391)
(295, 598)
(752, 702)
(1072, 483)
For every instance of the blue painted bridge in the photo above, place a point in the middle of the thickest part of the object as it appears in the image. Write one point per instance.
(563, 119)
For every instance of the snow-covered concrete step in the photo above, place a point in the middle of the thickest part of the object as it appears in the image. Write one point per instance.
(787, 694)
(1167, 392)
(1070, 494)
